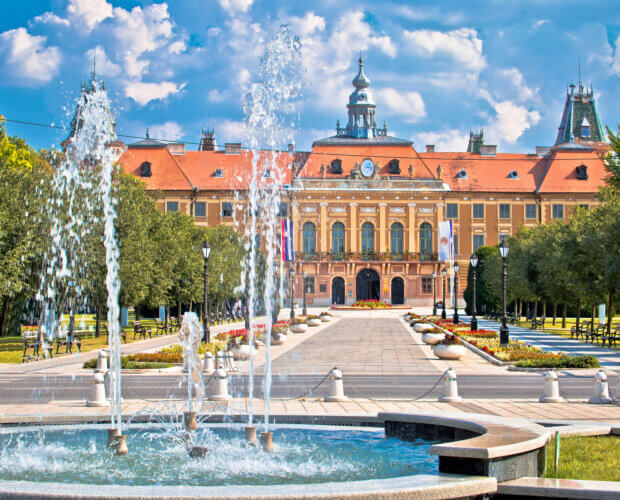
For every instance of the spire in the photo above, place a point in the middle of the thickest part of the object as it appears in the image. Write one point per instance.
(361, 81)
(580, 121)
(148, 133)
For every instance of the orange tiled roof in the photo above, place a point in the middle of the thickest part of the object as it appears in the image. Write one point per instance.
(561, 173)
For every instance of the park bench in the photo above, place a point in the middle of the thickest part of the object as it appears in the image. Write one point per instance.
(614, 335)
(538, 323)
(174, 324)
(139, 330)
(31, 342)
(107, 334)
(580, 330)
(161, 327)
(594, 332)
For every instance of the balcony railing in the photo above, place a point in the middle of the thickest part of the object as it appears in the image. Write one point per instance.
(367, 256)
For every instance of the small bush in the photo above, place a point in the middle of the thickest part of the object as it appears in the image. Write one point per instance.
(560, 362)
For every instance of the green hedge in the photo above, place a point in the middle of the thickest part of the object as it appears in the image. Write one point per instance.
(561, 362)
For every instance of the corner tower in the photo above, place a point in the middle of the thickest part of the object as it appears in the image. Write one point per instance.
(580, 122)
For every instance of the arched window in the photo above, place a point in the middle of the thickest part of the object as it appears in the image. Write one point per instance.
(368, 238)
(338, 239)
(309, 236)
(396, 239)
(426, 240)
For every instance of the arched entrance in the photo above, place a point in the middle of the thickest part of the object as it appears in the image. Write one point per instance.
(367, 285)
(338, 290)
(398, 291)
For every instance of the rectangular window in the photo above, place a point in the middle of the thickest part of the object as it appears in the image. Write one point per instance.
(531, 211)
(503, 237)
(504, 211)
(227, 209)
(309, 284)
(478, 210)
(478, 241)
(452, 211)
(323, 288)
(200, 209)
(427, 285)
(172, 206)
(282, 209)
(558, 211)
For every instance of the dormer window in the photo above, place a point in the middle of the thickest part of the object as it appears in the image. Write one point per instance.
(217, 173)
(461, 174)
(336, 166)
(267, 173)
(582, 172)
(145, 169)
(585, 128)
(513, 174)
(394, 166)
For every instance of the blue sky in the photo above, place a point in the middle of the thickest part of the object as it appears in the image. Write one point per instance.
(437, 69)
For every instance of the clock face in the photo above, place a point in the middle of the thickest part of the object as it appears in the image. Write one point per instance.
(367, 168)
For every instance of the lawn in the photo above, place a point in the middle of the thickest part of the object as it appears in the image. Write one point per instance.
(594, 458)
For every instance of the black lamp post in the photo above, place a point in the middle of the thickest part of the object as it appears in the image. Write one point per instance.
(444, 271)
(292, 274)
(473, 260)
(504, 335)
(304, 310)
(206, 334)
(456, 294)
(434, 275)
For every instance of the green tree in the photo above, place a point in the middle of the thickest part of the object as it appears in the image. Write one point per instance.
(612, 162)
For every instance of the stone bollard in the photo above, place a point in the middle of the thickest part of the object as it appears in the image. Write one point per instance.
(250, 434)
(220, 360)
(552, 389)
(230, 362)
(219, 386)
(189, 421)
(266, 440)
(98, 392)
(336, 387)
(208, 363)
(450, 388)
(102, 361)
(601, 389)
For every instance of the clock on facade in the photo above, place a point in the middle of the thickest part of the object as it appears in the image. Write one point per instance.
(367, 168)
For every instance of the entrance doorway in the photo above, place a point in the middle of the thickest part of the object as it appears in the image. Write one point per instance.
(338, 290)
(367, 285)
(398, 291)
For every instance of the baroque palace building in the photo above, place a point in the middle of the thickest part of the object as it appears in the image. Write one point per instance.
(366, 205)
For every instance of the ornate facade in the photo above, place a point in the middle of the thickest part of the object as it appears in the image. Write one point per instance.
(366, 205)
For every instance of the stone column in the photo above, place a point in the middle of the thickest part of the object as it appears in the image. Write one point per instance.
(353, 227)
(382, 229)
(297, 242)
(412, 230)
(323, 229)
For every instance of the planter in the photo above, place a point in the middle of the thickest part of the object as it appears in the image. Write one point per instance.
(298, 328)
(449, 351)
(325, 318)
(281, 340)
(432, 338)
(313, 322)
(242, 352)
(423, 327)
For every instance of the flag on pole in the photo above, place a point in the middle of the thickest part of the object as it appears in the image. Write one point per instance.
(287, 240)
(446, 241)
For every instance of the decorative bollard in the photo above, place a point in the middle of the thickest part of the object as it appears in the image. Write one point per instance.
(113, 435)
(198, 451)
(250, 434)
(98, 392)
(220, 360)
(601, 389)
(336, 387)
(121, 445)
(450, 388)
(102, 361)
(266, 440)
(552, 389)
(208, 363)
(230, 362)
(219, 386)
(189, 421)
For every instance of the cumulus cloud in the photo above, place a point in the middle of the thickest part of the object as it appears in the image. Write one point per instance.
(236, 5)
(229, 131)
(462, 45)
(170, 131)
(86, 14)
(511, 119)
(26, 59)
(49, 18)
(408, 105)
(143, 92)
(452, 140)
(177, 47)
(307, 25)
(515, 78)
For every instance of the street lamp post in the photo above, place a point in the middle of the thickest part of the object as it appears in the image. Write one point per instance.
(456, 295)
(504, 335)
(473, 260)
(304, 310)
(434, 275)
(444, 271)
(292, 274)
(206, 334)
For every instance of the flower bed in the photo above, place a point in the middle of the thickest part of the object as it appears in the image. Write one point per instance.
(370, 304)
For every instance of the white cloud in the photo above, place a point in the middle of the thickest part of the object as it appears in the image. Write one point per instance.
(427, 13)
(49, 18)
(170, 131)
(236, 5)
(143, 92)
(511, 121)
(453, 140)
(615, 63)
(307, 25)
(217, 95)
(177, 47)
(104, 65)
(524, 93)
(214, 31)
(462, 45)
(408, 105)
(26, 59)
(229, 131)
(86, 14)
(538, 23)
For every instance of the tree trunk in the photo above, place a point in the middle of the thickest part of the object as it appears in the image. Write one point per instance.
(535, 309)
(555, 312)
(179, 312)
(544, 309)
(191, 305)
(98, 321)
(3, 314)
(593, 316)
(520, 308)
(610, 313)
(578, 314)
(136, 311)
(167, 318)
(564, 312)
